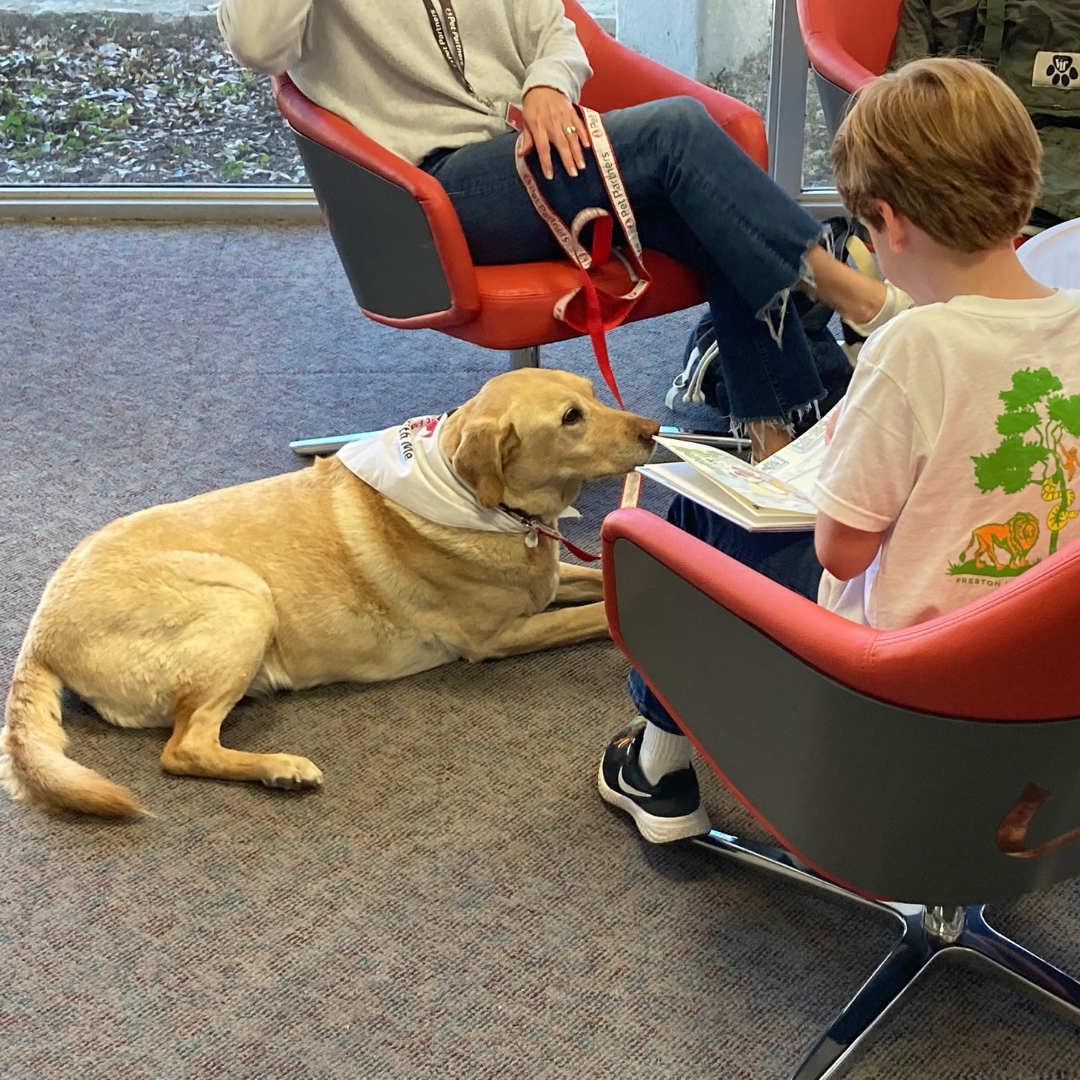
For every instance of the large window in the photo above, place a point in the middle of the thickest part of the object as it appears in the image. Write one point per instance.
(119, 100)
(817, 143)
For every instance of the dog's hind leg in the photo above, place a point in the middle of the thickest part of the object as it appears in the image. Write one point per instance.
(243, 631)
(195, 750)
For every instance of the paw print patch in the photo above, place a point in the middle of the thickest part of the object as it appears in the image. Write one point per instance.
(1057, 69)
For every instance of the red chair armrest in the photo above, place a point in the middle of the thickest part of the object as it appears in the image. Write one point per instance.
(331, 131)
(832, 644)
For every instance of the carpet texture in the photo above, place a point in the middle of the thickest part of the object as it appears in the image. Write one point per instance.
(456, 902)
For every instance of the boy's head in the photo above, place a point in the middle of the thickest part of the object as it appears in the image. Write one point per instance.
(947, 145)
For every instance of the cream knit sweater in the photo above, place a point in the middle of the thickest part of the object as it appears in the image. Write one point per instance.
(376, 62)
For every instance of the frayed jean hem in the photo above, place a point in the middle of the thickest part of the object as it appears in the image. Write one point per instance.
(775, 311)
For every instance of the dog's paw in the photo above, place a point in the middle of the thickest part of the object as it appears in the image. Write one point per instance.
(292, 773)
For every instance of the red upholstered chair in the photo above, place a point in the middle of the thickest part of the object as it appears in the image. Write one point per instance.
(921, 772)
(848, 42)
(401, 243)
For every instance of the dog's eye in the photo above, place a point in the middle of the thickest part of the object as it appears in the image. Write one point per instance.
(571, 416)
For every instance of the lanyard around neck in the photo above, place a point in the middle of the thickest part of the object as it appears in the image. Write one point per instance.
(444, 25)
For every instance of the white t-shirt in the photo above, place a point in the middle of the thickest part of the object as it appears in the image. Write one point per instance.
(960, 439)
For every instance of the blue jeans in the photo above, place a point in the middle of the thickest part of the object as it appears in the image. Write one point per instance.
(787, 558)
(699, 199)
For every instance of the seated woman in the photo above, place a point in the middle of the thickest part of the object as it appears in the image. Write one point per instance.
(951, 455)
(432, 84)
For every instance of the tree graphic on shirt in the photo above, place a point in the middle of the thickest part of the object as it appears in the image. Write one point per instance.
(1036, 418)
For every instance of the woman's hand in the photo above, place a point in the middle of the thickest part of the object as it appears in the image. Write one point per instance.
(552, 121)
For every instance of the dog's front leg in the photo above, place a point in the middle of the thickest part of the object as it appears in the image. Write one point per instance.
(579, 585)
(531, 633)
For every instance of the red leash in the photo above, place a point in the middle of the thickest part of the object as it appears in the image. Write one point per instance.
(590, 309)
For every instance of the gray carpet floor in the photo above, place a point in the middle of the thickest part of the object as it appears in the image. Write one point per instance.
(456, 902)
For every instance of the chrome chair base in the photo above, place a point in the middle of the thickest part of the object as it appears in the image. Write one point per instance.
(927, 936)
(327, 444)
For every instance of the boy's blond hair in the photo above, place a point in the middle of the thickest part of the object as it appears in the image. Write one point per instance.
(945, 143)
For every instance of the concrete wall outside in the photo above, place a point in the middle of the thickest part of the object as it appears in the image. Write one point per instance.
(700, 38)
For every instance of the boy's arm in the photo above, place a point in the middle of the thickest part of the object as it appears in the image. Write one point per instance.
(874, 458)
(843, 551)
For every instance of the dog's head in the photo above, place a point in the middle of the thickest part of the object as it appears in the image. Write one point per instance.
(530, 437)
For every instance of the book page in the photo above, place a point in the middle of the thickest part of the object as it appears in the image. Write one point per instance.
(683, 478)
(746, 482)
(798, 463)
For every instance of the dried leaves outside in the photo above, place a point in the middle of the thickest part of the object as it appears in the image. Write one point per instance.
(115, 99)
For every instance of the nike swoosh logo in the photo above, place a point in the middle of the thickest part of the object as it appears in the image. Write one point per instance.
(630, 789)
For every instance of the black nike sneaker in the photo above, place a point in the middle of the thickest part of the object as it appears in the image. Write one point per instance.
(668, 810)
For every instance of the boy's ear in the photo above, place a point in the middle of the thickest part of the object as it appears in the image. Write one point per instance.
(896, 226)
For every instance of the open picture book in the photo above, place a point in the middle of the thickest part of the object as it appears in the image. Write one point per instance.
(770, 497)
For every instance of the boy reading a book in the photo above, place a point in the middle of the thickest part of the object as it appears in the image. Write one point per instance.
(952, 462)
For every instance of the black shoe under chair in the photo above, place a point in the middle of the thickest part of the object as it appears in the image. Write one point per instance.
(668, 810)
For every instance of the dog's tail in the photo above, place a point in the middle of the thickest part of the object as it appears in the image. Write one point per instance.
(33, 766)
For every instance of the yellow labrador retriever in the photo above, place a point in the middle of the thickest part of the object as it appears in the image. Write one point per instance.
(171, 615)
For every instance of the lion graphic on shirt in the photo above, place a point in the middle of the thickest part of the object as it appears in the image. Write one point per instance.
(1016, 537)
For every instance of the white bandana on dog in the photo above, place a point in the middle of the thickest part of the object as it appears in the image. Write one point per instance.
(408, 466)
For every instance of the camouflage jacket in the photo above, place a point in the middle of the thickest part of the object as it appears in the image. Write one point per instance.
(1034, 45)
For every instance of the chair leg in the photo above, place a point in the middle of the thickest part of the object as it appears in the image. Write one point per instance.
(852, 1032)
(928, 936)
(1003, 958)
(529, 357)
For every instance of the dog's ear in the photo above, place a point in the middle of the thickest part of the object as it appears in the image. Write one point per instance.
(481, 456)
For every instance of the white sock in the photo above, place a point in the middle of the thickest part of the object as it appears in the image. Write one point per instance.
(662, 752)
(896, 300)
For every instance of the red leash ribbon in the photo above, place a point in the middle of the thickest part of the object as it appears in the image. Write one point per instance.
(579, 553)
(592, 309)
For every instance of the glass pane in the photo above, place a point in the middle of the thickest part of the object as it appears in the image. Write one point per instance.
(817, 142)
(736, 49)
(114, 98)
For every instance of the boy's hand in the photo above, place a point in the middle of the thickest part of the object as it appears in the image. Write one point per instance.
(552, 121)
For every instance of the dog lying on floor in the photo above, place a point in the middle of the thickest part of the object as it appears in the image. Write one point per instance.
(168, 617)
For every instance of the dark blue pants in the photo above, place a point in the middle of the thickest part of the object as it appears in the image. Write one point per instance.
(699, 199)
(787, 558)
